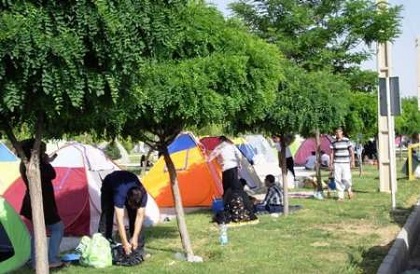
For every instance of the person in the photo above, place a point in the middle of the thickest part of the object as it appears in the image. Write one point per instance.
(325, 159)
(52, 218)
(123, 190)
(273, 200)
(290, 163)
(230, 159)
(310, 162)
(238, 206)
(342, 160)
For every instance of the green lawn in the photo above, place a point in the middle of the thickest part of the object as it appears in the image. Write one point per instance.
(324, 237)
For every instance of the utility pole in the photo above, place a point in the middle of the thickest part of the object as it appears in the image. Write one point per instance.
(386, 152)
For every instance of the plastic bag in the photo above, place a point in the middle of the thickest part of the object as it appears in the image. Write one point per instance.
(95, 251)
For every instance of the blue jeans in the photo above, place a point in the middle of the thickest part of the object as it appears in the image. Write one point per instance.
(57, 232)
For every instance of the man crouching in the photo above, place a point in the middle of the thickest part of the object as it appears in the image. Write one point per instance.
(123, 189)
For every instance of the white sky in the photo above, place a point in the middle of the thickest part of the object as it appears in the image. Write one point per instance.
(404, 53)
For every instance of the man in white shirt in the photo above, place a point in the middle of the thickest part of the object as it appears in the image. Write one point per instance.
(230, 159)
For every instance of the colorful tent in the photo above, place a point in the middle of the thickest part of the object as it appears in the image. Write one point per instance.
(309, 145)
(199, 181)
(247, 171)
(9, 167)
(80, 169)
(15, 242)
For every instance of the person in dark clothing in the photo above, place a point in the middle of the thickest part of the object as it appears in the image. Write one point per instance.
(290, 162)
(51, 216)
(122, 189)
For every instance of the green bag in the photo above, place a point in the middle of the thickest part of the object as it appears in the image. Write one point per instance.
(95, 251)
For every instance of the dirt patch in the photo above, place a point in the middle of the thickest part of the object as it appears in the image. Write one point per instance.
(362, 229)
(320, 244)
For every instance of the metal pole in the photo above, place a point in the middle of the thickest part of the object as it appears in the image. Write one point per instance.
(391, 144)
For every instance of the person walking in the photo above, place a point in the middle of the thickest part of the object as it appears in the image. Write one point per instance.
(342, 160)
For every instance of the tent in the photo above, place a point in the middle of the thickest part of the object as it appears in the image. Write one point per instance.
(266, 158)
(309, 145)
(199, 181)
(246, 149)
(247, 171)
(80, 169)
(9, 167)
(15, 242)
(262, 149)
(6, 155)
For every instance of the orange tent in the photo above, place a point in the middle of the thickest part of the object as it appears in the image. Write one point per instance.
(199, 181)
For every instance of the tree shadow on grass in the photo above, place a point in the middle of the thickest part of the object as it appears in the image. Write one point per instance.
(401, 214)
(371, 258)
(162, 232)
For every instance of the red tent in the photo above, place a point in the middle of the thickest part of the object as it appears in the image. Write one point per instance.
(309, 145)
(80, 169)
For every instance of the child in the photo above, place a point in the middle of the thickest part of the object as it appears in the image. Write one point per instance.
(273, 201)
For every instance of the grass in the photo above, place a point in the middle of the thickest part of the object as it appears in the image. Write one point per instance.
(324, 237)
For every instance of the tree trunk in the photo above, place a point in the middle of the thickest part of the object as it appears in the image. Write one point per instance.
(35, 189)
(282, 162)
(180, 218)
(318, 156)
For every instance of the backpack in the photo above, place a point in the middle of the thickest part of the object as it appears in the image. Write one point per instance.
(120, 258)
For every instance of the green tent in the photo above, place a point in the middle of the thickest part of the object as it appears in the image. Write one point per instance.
(15, 241)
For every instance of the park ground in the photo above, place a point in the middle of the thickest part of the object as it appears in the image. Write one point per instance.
(325, 236)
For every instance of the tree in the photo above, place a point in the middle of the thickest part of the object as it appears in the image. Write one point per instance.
(323, 35)
(362, 115)
(211, 71)
(325, 38)
(408, 123)
(63, 64)
(306, 103)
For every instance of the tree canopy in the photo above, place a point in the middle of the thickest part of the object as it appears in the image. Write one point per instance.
(319, 35)
(408, 123)
(229, 75)
(64, 65)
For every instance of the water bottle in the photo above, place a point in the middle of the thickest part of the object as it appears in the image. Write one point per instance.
(223, 234)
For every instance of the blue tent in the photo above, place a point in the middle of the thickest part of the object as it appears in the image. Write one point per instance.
(6, 155)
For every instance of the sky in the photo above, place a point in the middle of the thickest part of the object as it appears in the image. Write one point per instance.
(404, 57)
